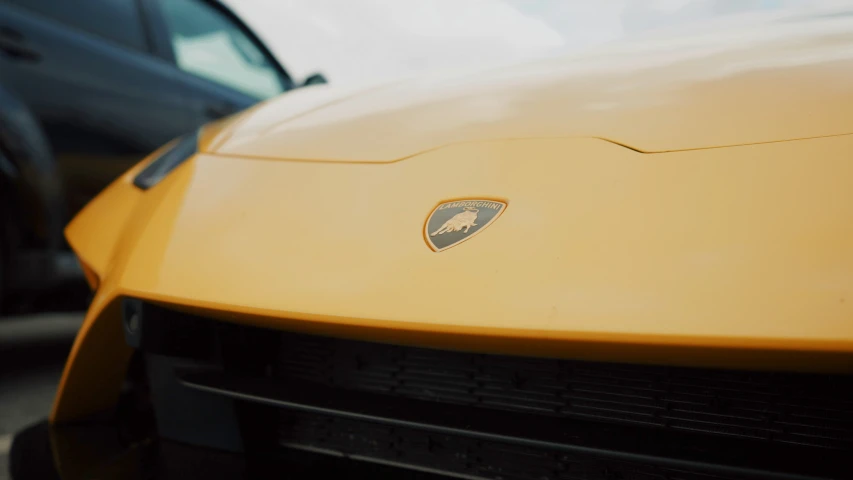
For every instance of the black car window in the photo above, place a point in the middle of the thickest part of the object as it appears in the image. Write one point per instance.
(210, 44)
(117, 20)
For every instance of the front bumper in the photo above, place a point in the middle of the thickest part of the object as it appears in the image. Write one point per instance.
(247, 400)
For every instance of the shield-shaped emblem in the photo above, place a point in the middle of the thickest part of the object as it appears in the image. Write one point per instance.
(451, 223)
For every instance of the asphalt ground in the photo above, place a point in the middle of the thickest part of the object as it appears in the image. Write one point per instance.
(33, 349)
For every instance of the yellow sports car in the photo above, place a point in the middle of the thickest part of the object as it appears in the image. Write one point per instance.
(634, 264)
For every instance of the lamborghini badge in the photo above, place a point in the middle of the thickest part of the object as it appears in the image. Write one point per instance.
(454, 222)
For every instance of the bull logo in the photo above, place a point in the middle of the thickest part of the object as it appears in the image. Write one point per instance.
(458, 222)
(451, 223)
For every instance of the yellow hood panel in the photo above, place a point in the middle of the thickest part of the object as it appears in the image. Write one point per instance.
(782, 81)
(751, 245)
(736, 257)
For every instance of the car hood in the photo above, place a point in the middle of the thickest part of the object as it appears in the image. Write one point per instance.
(602, 252)
(733, 257)
(785, 80)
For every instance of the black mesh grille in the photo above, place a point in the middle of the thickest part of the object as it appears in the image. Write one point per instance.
(504, 417)
(804, 409)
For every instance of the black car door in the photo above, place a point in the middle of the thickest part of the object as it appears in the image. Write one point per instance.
(90, 72)
(224, 64)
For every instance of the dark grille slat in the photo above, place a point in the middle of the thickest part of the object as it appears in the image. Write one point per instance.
(640, 408)
(624, 419)
(377, 387)
(371, 375)
(718, 419)
(607, 397)
(437, 364)
(601, 408)
(718, 431)
(377, 369)
(521, 408)
(532, 397)
(435, 389)
(418, 377)
(828, 412)
(696, 424)
(619, 390)
(846, 432)
(449, 399)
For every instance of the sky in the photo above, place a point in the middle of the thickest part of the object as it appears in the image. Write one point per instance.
(368, 41)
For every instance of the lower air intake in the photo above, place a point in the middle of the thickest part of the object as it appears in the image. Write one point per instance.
(514, 418)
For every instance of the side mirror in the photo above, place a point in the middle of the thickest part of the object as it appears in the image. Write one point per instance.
(314, 79)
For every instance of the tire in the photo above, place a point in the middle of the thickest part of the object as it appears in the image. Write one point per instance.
(31, 456)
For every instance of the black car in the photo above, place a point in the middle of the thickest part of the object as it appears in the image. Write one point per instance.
(89, 87)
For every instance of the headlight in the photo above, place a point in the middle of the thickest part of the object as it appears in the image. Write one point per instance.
(157, 170)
